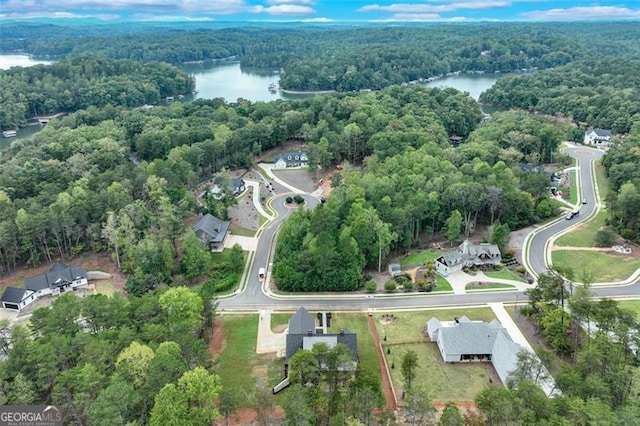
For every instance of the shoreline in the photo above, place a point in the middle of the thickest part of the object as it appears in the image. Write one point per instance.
(310, 92)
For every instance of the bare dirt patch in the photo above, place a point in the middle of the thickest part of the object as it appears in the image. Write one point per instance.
(302, 179)
(217, 341)
(249, 416)
(92, 262)
(386, 380)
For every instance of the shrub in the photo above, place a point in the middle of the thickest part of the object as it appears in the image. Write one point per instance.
(298, 199)
(370, 286)
(605, 237)
(390, 286)
(497, 267)
(429, 288)
(289, 200)
(510, 253)
(521, 269)
(408, 286)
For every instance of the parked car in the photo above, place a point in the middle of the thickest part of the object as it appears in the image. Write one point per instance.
(584, 201)
(571, 215)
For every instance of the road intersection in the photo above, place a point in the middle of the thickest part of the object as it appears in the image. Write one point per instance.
(255, 294)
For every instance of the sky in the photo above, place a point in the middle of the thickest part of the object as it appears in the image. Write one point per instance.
(319, 11)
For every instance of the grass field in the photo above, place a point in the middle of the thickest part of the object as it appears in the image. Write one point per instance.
(487, 286)
(604, 267)
(105, 287)
(280, 321)
(239, 365)
(442, 381)
(633, 305)
(504, 274)
(584, 234)
(573, 188)
(244, 232)
(443, 285)
(602, 181)
(419, 257)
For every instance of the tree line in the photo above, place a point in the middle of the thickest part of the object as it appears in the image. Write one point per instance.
(79, 83)
(115, 360)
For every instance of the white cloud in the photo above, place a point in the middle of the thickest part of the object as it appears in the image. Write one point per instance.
(582, 13)
(321, 20)
(57, 15)
(284, 9)
(435, 8)
(306, 2)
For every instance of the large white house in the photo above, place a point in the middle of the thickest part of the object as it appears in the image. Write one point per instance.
(464, 340)
(59, 279)
(597, 137)
(468, 254)
(291, 159)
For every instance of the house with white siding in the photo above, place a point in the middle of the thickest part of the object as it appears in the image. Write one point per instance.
(463, 340)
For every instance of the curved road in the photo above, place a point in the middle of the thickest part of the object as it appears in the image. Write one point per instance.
(253, 296)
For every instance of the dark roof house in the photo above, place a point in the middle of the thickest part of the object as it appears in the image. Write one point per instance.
(468, 254)
(59, 275)
(302, 335)
(211, 230)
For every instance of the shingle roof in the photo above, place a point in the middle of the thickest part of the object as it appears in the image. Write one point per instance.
(59, 274)
(301, 322)
(602, 132)
(211, 229)
(469, 338)
(13, 295)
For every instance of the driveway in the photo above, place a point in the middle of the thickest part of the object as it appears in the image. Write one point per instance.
(247, 243)
(268, 341)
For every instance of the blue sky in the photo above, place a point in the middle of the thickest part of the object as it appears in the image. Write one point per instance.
(324, 10)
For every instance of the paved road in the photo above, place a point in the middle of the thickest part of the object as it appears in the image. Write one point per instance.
(537, 247)
(253, 298)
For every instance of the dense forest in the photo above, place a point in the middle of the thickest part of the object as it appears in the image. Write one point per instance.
(79, 83)
(110, 176)
(344, 59)
(601, 93)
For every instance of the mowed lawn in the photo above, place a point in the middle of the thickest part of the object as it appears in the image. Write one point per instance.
(604, 267)
(449, 382)
(504, 274)
(239, 365)
(584, 234)
(632, 305)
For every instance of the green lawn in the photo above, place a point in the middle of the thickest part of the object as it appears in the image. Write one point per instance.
(604, 267)
(419, 257)
(504, 274)
(409, 325)
(633, 305)
(601, 181)
(244, 232)
(239, 365)
(357, 323)
(280, 321)
(584, 234)
(486, 286)
(448, 382)
(443, 285)
(573, 189)
(105, 287)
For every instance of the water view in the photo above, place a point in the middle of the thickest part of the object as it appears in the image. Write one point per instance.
(470, 83)
(227, 80)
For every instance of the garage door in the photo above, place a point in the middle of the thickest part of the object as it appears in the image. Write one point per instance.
(11, 306)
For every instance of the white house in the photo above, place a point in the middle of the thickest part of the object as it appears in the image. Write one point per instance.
(597, 137)
(468, 254)
(59, 279)
(291, 159)
(235, 185)
(463, 340)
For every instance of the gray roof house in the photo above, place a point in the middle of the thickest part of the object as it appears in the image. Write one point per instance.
(235, 185)
(464, 340)
(303, 334)
(211, 231)
(597, 137)
(468, 254)
(58, 279)
(291, 159)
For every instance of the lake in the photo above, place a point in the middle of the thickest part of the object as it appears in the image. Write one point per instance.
(473, 84)
(227, 80)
